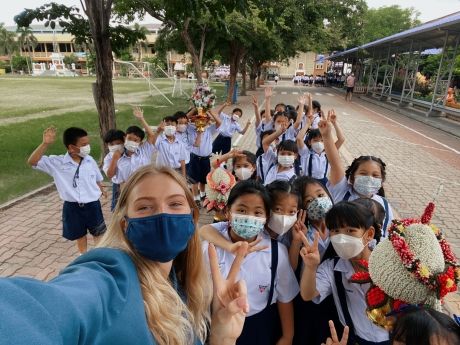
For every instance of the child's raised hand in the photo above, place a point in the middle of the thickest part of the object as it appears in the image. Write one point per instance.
(325, 126)
(161, 127)
(302, 99)
(299, 226)
(255, 102)
(268, 92)
(310, 253)
(49, 135)
(333, 116)
(334, 339)
(138, 113)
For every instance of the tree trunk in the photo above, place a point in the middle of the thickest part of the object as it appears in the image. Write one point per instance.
(243, 76)
(235, 57)
(191, 49)
(203, 41)
(253, 76)
(98, 13)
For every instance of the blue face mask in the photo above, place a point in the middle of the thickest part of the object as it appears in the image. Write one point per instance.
(247, 227)
(160, 237)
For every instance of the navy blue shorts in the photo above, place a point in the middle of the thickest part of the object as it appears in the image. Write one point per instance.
(78, 219)
(198, 168)
(222, 144)
(115, 195)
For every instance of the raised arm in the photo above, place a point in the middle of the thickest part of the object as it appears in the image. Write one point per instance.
(268, 139)
(301, 103)
(139, 114)
(338, 130)
(268, 96)
(255, 104)
(49, 137)
(222, 107)
(215, 118)
(245, 129)
(226, 156)
(113, 166)
(311, 258)
(210, 234)
(337, 171)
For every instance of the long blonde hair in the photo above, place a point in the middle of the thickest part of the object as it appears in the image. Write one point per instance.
(171, 320)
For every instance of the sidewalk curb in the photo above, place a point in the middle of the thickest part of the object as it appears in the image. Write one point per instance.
(46, 188)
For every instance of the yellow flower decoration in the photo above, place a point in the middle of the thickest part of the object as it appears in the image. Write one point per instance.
(424, 271)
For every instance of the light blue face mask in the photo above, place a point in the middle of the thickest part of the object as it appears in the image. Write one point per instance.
(245, 226)
(318, 208)
(367, 185)
(160, 237)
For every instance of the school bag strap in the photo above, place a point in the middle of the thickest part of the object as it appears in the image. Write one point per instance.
(273, 269)
(343, 301)
(261, 168)
(387, 216)
(347, 195)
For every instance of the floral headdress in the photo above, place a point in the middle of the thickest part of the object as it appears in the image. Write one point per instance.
(414, 266)
(218, 186)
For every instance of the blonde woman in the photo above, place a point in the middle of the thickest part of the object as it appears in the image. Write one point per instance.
(145, 284)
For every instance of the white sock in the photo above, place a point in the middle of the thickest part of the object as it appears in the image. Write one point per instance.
(196, 198)
(202, 194)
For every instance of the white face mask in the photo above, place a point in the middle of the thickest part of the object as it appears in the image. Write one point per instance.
(181, 128)
(235, 117)
(170, 130)
(114, 148)
(318, 147)
(84, 151)
(286, 161)
(281, 223)
(347, 246)
(131, 145)
(243, 173)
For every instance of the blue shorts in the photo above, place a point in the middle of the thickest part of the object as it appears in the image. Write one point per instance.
(198, 168)
(78, 219)
(115, 195)
(222, 144)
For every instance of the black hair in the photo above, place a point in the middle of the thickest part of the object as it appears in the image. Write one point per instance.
(277, 189)
(351, 170)
(237, 109)
(114, 134)
(301, 183)
(170, 119)
(317, 105)
(377, 210)
(288, 145)
(313, 133)
(281, 105)
(251, 158)
(72, 134)
(180, 115)
(349, 214)
(137, 131)
(280, 113)
(249, 187)
(419, 326)
(291, 114)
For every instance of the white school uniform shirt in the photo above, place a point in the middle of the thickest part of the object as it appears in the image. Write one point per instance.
(205, 148)
(170, 154)
(355, 295)
(127, 165)
(256, 272)
(290, 134)
(184, 138)
(316, 120)
(228, 127)
(62, 168)
(319, 163)
(339, 191)
(270, 168)
(105, 167)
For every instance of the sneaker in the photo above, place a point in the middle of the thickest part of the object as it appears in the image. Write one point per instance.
(203, 197)
(198, 203)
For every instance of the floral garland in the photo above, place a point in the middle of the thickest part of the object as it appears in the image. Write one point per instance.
(219, 184)
(443, 282)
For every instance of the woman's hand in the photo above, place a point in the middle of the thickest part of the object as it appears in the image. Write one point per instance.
(230, 303)
(334, 340)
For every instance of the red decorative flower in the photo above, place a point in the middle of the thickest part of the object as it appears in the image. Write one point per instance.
(426, 217)
(375, 297)
(446, 282)
(361, 278)
(398, 304)
(223, 188)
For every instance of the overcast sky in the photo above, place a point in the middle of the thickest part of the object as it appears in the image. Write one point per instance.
(429, 9)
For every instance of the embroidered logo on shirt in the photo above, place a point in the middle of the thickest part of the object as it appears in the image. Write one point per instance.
(262, 288)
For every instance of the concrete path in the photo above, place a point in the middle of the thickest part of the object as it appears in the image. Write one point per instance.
(419, 159)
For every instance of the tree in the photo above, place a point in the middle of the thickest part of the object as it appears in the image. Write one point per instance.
(27, 42)
(94, 30)
(387, 20)
(8, 44)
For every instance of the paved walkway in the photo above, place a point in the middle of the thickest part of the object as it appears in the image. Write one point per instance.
(419, 159)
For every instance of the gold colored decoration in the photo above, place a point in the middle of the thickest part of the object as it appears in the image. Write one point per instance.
(200, 120)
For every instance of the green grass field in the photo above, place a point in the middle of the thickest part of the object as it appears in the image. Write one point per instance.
(23, 98)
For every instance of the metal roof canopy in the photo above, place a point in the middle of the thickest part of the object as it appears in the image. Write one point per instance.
(428, 35)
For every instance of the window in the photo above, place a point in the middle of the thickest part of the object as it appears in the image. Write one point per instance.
(65, 48)
(40, 48)
(49, 47)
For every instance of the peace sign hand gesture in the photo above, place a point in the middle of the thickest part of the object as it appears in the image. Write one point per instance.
(334, 340)
(310, 253)
(230, 303)
(325, 125)
(299, 227)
